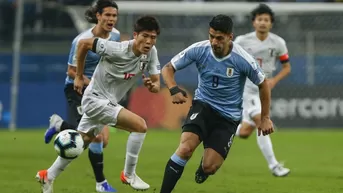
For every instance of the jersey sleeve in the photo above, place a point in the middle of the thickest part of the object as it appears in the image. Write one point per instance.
(283, 52)
(252, 70)
(184, 58)
(72, 54)
(105, 47)
(154, 66)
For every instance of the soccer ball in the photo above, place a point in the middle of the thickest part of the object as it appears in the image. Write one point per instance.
(69, 144)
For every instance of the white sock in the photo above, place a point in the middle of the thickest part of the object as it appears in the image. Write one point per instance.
(57, 167)
(238, 129)
(265, 144)
(133, 147)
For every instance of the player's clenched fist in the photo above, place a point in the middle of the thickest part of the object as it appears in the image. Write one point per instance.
(79, 84)
(266, 127)
(179, 96)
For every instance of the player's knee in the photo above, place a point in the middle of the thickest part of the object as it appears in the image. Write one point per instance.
(245, 133)
(98, 139)
(185, 151)
(141, 126)
(210, 168)
(87, 139)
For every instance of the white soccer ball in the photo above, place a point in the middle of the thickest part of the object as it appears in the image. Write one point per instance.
(69, 144)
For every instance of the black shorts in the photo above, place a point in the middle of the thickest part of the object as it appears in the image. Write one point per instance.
(74, 112)
(214, 130)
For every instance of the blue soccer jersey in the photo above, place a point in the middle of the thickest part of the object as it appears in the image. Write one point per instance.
(220, 80)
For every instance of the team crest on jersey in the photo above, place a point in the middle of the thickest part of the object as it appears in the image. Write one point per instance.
(229, 72)
(143, 63)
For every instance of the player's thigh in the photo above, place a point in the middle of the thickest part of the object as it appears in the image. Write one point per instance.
(247, 128)
(218, 143)
(74, 104)
(196, 119)
(130, 121)
(189, 141)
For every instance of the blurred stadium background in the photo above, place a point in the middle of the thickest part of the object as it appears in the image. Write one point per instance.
(307, 107)
(309, 98)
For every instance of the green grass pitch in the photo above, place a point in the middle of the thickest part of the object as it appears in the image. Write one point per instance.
(314, 156)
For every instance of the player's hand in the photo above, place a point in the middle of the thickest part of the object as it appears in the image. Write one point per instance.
(179, 96)
(266, 127)
(79, 83)
(149, 84)
(271, 83)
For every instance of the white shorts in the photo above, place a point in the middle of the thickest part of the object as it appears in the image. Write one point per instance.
(251, 107)
(97, 112)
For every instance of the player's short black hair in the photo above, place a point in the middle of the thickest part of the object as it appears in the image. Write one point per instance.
(222, 23)
(147, 23)
(90, 13)
(262, 9)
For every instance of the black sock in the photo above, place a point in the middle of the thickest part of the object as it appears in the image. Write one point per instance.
(66, 125)
(97, 165)
(172, 174)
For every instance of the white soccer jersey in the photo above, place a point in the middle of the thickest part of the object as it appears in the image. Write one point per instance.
(265, 52)
(119, 69)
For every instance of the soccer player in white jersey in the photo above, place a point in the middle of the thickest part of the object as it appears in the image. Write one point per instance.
(267, 48)
(120, 66)
(223, 67)
(107, 17)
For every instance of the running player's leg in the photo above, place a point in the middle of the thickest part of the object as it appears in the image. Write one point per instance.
(133, 123)
(251, 120)
(192, 133)
(57, 124)
(251, 108)
(217, 145)
(266, 147)
(47, 177)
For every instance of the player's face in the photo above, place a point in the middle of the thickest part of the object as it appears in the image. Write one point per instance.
(145, 40)
(262, 23)
(108, 18)
(220, 42)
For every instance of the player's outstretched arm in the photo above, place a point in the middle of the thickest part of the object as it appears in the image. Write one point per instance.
(266, 126)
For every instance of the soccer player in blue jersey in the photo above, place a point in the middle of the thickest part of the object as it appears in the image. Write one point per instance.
(104, 15)
(216, 111)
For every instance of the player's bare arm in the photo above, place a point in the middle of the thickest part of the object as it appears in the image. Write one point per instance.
(179, 95)
(286, 69)
(152, 82)
(72, 74)
(84, 46)
(266, 126)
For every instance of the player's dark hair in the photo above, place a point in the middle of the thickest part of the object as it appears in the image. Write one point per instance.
(262, 9)
(222, 23)
(99, 6)
(147, 23)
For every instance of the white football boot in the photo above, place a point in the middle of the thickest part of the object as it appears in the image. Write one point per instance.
(279, 170)
(134, 181)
